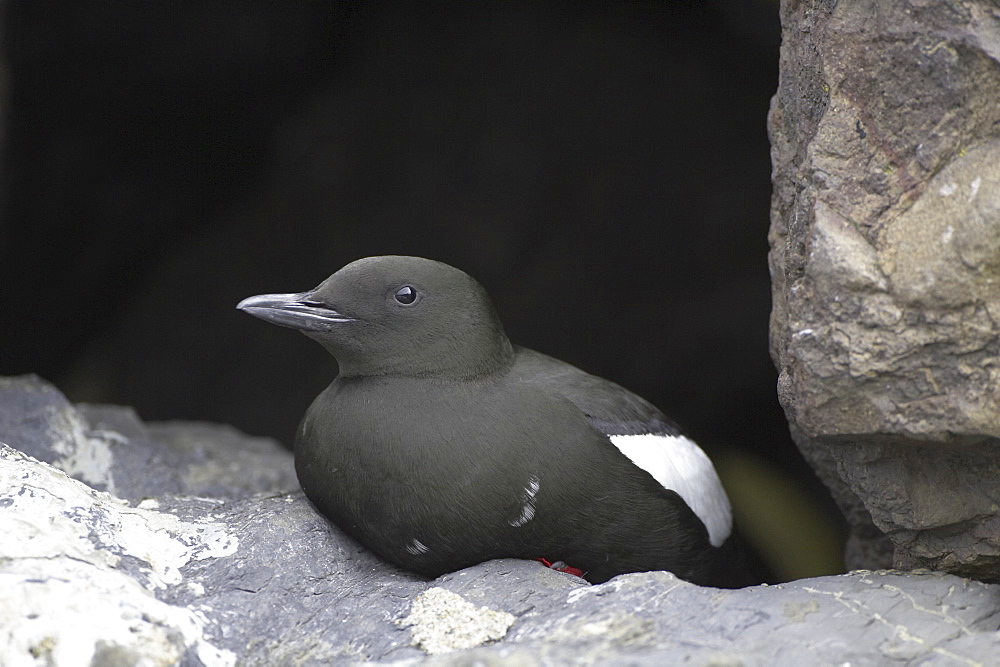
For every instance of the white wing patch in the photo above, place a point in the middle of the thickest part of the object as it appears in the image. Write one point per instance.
(679, 464)
(527, 503)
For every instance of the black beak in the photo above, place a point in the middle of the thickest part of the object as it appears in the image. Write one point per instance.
(295, 311)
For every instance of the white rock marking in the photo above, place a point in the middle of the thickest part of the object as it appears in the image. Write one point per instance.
(63, 593)
(82, 455)
(680, 465)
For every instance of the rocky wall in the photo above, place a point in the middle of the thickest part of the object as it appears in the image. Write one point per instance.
(885, 265)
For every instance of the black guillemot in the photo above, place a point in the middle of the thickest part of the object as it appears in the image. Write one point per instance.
(441, 445)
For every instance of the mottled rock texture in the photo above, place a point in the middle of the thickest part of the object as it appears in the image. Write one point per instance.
(248, 573)
(885, 262)
(109, 448)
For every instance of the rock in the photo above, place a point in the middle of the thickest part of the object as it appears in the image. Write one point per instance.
(259, 578)
(443, 622)
(885, 264)
(109, 448)
(79, 568)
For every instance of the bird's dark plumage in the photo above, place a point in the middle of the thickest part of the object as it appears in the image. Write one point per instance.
(441, 445)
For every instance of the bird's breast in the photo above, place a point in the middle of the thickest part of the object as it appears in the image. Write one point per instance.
(413, 474)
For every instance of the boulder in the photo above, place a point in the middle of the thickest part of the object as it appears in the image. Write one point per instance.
(885, 264)
(109, 448)
(242, 570)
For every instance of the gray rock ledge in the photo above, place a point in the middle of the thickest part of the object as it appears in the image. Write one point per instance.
(242, 570)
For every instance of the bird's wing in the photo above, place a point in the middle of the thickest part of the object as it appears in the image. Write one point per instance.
(641, 432)
(611, 409)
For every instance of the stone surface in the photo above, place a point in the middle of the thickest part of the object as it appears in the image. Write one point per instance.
(110, 449)
(443, 622)
(885, 263)
(259, 578)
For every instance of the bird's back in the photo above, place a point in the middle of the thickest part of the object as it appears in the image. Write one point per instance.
(610, 408)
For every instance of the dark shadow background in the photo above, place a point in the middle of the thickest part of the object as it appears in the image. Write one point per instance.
(602, 169)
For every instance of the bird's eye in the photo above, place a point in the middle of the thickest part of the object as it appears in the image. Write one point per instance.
(406, 295)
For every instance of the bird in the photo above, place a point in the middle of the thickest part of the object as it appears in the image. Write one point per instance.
(439, 444)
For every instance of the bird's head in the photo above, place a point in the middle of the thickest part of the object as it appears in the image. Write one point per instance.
(403, 316)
